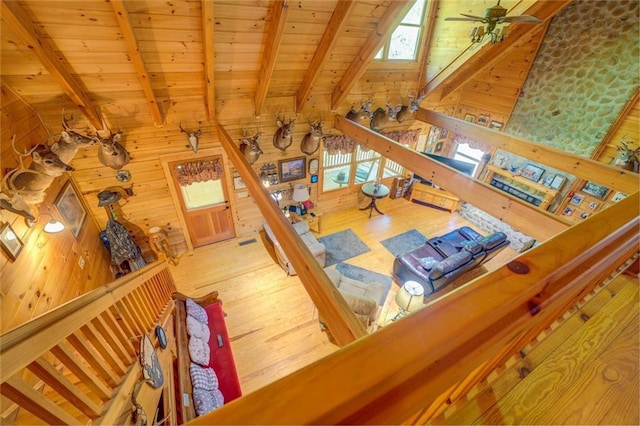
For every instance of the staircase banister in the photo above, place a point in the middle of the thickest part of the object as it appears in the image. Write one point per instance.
(388, 376)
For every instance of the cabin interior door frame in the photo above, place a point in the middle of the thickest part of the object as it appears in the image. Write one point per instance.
(190, 156)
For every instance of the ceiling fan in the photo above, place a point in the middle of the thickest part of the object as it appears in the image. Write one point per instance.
(493, 16)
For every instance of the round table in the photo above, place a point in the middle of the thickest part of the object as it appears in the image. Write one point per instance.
(374, 192)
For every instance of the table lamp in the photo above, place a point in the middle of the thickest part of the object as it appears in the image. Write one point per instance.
(409, 298)
(300, 195)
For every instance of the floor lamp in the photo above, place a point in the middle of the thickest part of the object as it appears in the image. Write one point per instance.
(409, 298)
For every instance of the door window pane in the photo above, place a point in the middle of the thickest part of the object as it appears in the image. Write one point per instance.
(203, 194)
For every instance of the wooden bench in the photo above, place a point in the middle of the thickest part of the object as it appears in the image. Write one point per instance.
(221, 359)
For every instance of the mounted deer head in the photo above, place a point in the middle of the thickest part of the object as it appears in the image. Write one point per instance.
(363, 116)
(407, 111)
(381, 118)
(311, 141)
(112, 154)
(626, 158)
(250, 148)
(283, 138)
(71, 140)
(193, 138)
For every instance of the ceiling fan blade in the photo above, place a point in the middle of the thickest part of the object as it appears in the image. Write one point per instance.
(479, 18)
(523, 19)
(463, 19)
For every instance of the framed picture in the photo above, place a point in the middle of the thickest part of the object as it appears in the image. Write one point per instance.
(532, 172)
(568, 211)
(596, 190)
(71, 209)
(618, 196)
(443, 133)
(238, 183)
(438, 147)
(593, 205)
(495, 125)
(548, 179)
(292, 169)
(483, 120)
(557, 182)
(577, 199)
(10, 242)
(469, 118)
(584, 215)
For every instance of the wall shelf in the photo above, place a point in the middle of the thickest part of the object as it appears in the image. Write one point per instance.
(527, 190)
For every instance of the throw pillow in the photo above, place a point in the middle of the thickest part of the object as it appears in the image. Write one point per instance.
(452, 263)
(197, 329)
(473, 247)
(203, 378)
(428, 263)
(206, 401)
(196, 311)
(199, 351)
(491, 241)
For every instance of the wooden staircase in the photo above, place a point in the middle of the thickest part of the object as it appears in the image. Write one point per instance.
(583, 369)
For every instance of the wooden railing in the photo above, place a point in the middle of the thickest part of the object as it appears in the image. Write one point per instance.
(78, 363)
(408, 371)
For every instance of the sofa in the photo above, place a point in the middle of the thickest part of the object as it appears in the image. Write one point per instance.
(316, 248)
(365, 299)
(442, 259)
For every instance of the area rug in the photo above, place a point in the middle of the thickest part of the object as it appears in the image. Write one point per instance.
(404, 242)
(342, 245)
(366, 276)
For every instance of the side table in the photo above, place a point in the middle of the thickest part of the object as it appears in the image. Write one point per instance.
(374, 192)
(313, 218)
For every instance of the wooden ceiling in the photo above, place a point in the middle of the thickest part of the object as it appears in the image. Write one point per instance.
(150, 62)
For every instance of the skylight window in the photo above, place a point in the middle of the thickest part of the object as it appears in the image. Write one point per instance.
(403, 44)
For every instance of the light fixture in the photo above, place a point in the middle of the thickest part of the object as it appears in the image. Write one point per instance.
(497, 34)
(409, 298)
(51, 227)
(300, 195)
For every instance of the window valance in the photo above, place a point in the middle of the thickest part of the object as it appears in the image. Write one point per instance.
(198, 171)
(339, 144)
(405, 137)
(472, 143)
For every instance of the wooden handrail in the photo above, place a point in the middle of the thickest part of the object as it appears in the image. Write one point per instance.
(389, 376)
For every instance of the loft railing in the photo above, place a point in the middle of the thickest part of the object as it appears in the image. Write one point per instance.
(78, 363)
(406, 371)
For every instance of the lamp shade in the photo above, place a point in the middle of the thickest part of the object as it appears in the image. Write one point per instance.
(53, 226)
(300, 193)
(410, 297)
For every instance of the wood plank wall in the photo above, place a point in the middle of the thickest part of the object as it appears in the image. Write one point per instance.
(46, 273)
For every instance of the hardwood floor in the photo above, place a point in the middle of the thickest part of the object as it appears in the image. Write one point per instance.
(271, 320)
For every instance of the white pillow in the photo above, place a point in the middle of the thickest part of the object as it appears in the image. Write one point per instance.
(203, 377)
(199, 351)
(197, 329)
(196, 311)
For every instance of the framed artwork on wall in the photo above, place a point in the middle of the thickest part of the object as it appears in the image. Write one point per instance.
(495, 125)
(71, 208)
(443, 133)
(483, 120)
(557, 182)
(596, 190)
(618, 196)
(11, 244)
(532, 172)
(292, 169)
(469, 118)
(577, 199)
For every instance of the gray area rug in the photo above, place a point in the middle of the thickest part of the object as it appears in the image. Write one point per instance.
(366, 276)
(342, 245)
(404, 242)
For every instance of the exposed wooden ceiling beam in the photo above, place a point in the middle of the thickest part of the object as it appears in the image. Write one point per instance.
(426, 44)
(342, 322)
(491, 53)
(581, 167)
(537, 223)
(280, 12)
(331, 34)
(132, 49)
(17, 19)
(388, 22)
(209, 57)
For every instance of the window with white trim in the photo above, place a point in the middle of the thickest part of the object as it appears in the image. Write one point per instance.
(403, 45)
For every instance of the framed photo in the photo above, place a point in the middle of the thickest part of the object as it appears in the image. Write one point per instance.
(596, 190)
(618, 196)
(71, 208)
(438, 147)
(11, 244)
(292, 169)
(568, 211)
(469, 118)
(483, 120)
(557, 182)
(577, 199)
(238, 183)
(443, 133)
(548, 179)
(584, 215)
(593, 205)
(495, 125)
(532, 172)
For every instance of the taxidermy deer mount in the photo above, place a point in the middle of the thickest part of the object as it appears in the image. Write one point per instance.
(193, 137)
(283, 137)
(250, 148)
(111, 153)
(627, 158)
(311, 141)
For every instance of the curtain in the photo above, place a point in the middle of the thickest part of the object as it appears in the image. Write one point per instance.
(472, 143)
(339, 144)
(198, 171)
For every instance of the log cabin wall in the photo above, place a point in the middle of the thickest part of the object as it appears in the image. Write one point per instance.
(46, 272)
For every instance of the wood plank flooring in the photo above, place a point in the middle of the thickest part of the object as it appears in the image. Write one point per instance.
(271, 320)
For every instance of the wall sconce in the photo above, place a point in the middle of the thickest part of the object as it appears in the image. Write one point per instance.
(53, 226)
(269, 175)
